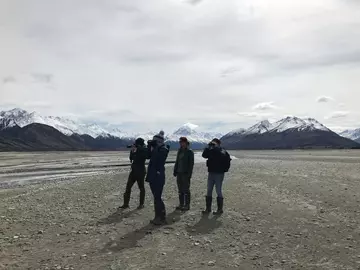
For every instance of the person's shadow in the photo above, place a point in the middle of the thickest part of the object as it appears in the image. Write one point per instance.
(116, 217)
(205, 225)
(131, 239)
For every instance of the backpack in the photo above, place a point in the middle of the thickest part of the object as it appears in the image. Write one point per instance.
(225, 160)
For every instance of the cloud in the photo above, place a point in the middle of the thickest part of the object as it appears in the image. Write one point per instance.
(337, 114)
(9, 79)
(42, 77)
(264, 106)
(254, 114)
(157, 64)
(324, 99)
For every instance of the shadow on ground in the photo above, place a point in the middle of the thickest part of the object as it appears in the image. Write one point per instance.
(131, 239)
(205, 225)
(116, 217)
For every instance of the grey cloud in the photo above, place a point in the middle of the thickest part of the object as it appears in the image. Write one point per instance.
(265, 106)
(324, 99)
(337, 114)
(42, 77)
(194, 2)
(9, 79)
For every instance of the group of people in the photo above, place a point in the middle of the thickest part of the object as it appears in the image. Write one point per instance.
(218, 162)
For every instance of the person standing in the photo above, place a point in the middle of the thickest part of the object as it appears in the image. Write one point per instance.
(158, 153)
(218, 162)
(183, 169)
(138, 156)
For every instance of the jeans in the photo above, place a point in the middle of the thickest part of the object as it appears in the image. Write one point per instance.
(217, 180)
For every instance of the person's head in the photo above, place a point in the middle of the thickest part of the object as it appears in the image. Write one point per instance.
(159, 138)
(139, 142)
(184, 143)
(215, 142)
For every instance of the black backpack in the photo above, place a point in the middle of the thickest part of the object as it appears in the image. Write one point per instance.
(225, 160)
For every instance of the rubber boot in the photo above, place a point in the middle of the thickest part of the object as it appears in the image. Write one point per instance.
(126, 201)
(181, 201)
(142, 199)
(208, 200)
(187, 202)
(220, 202)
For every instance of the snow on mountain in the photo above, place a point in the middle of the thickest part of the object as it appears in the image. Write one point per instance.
(296, 123)
(66, 126)
(351, 134)
(238, 131)
(259, 128)
(190, 131)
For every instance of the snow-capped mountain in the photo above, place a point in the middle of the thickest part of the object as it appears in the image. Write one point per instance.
(66, 126)
(191, 132)
(353, 134)
(288, 123)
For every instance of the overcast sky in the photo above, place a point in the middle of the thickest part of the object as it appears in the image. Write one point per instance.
(149, 64)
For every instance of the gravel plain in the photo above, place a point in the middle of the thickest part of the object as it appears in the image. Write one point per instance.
(283, 210)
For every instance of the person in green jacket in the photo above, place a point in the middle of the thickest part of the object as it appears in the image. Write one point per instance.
(183, 169)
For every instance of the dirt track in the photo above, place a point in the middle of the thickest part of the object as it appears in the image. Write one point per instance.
(283, 210)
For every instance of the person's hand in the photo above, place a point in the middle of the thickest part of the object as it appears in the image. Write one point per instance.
(133, 148)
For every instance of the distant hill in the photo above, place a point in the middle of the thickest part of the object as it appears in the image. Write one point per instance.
(288, 133)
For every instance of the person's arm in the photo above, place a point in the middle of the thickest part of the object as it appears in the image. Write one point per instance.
(161, 157)
(191, 162)
(206, 152)
(131, 156)
(176, 164)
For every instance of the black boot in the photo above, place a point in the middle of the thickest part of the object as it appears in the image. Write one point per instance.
(181, 201)
(160, 217)
(187, 202)
(142, 199)
(220, 202)
(208, 205)
(126, 201)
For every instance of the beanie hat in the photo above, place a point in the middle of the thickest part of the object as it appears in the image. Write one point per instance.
(159, 138)
(139, 141)
(183, 139)
(216, 140)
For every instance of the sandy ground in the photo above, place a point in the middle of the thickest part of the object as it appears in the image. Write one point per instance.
(283, 210)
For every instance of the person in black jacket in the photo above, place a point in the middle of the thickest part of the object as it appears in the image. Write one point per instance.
(138, 156)
(183, 169)
(218, 161)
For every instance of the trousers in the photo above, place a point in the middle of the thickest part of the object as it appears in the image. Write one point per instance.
(183, 183)
(215, 179)
(138, 176)
(157, 188)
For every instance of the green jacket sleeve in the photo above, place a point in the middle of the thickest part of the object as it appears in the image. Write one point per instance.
(191, 162)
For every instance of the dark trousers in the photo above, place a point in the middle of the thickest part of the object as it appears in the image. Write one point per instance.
(138, 176)
(157, 188)
(183, 183)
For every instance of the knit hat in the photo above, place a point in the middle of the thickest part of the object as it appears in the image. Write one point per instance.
(139, 141)
(216, 140)
(159, 138)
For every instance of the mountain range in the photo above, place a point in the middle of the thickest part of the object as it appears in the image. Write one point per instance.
(21, 130)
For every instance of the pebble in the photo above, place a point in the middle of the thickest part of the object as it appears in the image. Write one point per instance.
(322, 211)
(211, 263)
(40, 232)
(248, 218)
(197, 244)
(16, 237)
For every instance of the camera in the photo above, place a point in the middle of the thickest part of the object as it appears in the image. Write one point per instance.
(151, 143)
(130, 146)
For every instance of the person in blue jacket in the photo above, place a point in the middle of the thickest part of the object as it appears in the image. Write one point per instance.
(158, 154)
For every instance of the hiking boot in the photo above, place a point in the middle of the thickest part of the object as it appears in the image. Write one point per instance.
(220, 202)
(126, 201)
(187, 202)
(208, 200)
(141, 206)
(181, 202)
(158, 221)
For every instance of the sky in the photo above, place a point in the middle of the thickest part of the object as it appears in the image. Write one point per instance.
(151, 64)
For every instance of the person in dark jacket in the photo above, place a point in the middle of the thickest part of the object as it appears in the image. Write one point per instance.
(158, 153)
(183, 169)
(138, 156)
(215, 156)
